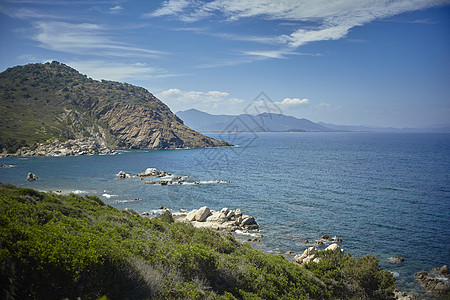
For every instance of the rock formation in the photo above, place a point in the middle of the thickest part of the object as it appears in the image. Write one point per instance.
(224, 219)
(309, 254)
(31, 177)
(436, 282)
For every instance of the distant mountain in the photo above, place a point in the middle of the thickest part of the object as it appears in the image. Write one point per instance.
(439, 128)
(39, 102)
(204, 122)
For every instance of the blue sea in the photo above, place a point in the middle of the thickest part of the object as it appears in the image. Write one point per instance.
(386, 194)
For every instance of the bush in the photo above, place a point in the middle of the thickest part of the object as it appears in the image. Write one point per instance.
(55, 247)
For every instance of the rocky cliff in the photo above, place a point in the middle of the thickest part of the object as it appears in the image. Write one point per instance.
(41, 102)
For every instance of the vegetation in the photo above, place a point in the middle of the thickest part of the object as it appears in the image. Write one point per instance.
(40, 102)
(55, 247)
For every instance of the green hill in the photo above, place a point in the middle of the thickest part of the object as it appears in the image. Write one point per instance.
(39, 102)
(57, 247)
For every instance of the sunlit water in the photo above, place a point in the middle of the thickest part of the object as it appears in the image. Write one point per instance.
(385, 194)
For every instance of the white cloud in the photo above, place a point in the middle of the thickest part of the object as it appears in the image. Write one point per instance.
(100, 69)
(293, 101)
(209, 101)
(326, 20)
(116, 9)
(85, 38)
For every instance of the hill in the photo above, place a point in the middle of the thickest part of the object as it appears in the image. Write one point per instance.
(39, 102)
(68, 247)
(202, 121)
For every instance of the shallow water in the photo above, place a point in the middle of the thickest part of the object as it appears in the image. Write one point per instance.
(386, 194)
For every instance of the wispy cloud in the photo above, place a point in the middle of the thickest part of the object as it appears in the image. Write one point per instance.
(205, 101)
(85, 38)
(30, 14)
(118, 71)
(325, 20)
(116, 9)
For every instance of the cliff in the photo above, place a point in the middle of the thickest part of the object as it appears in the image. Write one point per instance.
(41, 102)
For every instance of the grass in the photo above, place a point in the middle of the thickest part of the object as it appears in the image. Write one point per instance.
(54, 247)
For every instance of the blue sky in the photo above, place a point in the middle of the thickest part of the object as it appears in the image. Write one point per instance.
(351, 62)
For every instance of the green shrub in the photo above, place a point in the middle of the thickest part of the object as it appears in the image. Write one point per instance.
(55, 247)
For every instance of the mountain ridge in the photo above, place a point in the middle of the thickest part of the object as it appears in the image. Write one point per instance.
(40, 102)
(202, 121)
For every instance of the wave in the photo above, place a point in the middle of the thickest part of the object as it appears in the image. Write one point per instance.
(127, 201)
(240, 232)
(79, 192)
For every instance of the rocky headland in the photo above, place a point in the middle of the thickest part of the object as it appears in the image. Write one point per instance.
(42, 102)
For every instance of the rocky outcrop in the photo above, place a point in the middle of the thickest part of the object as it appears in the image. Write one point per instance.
(64, 104)
(123, 175)
(436, 282)
(224, 219)
(309, 254)
(396, 259)
(31, 177)
(152, 172)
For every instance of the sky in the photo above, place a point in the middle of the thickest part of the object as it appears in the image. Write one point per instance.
(347, 62)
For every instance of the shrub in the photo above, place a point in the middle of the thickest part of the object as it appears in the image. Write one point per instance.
(55, 247)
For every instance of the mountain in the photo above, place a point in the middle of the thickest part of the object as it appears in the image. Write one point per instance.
(202, 121)
(438, 128)
(39, 102)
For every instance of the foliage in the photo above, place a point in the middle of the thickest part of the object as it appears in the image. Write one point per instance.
(54, 247)
(68, 101)
(358, 277)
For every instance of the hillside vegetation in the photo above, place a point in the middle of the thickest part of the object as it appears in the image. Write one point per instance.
(39, 102)
(54, 247)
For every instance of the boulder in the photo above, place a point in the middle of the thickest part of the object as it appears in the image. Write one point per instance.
(230, 214)
(325, 237)
(319, 244)
(225, 219)
(122, 175)
(306, 256)
(334, 247)
(31, 177)
(217, 217)
(202, 213)
(396, 259)
(150, 172)
(191, 215)
(248, 220)
(441, 270)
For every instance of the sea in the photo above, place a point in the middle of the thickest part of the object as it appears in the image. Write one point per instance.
(386, 194)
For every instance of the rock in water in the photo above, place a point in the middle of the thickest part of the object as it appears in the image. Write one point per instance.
(122, 175)
(437, 282)
(396, 259)
(32, 177)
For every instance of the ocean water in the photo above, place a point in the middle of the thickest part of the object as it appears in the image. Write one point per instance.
(386, 194)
